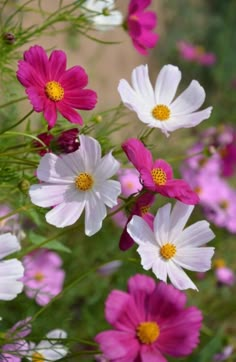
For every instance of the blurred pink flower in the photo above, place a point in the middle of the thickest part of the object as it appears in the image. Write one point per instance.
(140, 25)
(225, 276)
(129, 179)
(149, 321)
(157, 176)
(224, 355)
(16, 347)
(51, 88)
(195, 53)
(43, 278)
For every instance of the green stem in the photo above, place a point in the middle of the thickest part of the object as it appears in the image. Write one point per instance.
(12, 102)
(17, 123)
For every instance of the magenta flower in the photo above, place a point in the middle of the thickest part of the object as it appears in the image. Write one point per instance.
(149, 321)
(225, 275)
(51, 88)
(16, 347)
(196, 54)
(140, 208)
(43, 278)
(157, 176)
(140, 24)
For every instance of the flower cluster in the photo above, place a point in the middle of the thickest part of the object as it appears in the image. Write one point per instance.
(196, 54)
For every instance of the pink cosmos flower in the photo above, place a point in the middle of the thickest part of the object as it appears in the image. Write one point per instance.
(51, 88)
(149, 320)
(16, 347)
(140, 208)
(224, 354)
(196, 54)
(130, 183)
(140, 25)
(43, 278)
(157, 176)
(225, 276)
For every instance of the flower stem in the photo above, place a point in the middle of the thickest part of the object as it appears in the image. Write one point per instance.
(17, 123)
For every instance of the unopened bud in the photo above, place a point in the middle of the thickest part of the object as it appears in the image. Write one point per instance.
(24, 185)
(9, 38)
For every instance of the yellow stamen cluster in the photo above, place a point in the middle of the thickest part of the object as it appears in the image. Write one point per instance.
(144, 209)
(37, 357)
(168, 250)
(224, 204)
(148, 332)
(84, 181)
(159, 176)
(219, 263)
(161, 112)
(38, 276)
(54, 91)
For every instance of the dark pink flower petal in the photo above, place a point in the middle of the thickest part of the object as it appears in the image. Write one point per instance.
(147, 179)
(57, 64)
(122, 312)
(37, 58)
(74, 78)
(81, 99)
(137, 153)
(180, 190)
(151, 354)
(176, 329)
(118, 346)
(37, 98)
(28, 76)
(69, 113)
(148, 19)
(140, 287)
(137, 5)
(126, 242)
(50, 113)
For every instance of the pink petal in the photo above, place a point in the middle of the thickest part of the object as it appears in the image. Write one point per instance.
(28, 76)
(180, 190)
(148, 19)
(74, 78)
(151, 354)
(141, 287)
(37, 57)
(37, 98)
(69, 113)
(50, 113)
(137, 5)
(81, 98)
(118, 346)
(137, 153)
(122, 312)
(57, 64)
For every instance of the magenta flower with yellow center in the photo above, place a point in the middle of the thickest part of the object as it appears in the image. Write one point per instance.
(51, 88)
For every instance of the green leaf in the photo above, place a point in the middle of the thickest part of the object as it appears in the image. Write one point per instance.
(37, 239)
(211, 348)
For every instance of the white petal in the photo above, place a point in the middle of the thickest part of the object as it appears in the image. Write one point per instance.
(90, 151)
(9, 289)
(74, 161)
(166, 84)
(106, 168)
(109, 192)
(56, 333)
(141, 83)
(162, 224)
(53, 169)
(196, 235)
(178, 277)
(11, 269)
(51, 350)
(195, 259)
(95, 212)
(148, 254)
(190, 100)
(159, 268)
(140, 231)
(179, 217)
(188, 120)
(8, 244)
(131, 99)
(66, 213)
(46, 195)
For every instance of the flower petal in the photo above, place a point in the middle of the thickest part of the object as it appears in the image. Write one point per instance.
(37, 58)
(162, 224)
(166, 84)
(178, 277)
(190, 100)
(73, 78)
(8, 245)
(46, 195)
(195, 235)
(179, 217)
(95, 212)
(131, 100)
(106, 167)
(90, 151)
(50, 113)
(137, 153)
(188, 120)
(109, 192)
(141, 83)
(195, 259)
(57, 64)
(53, 169)
(37, 98)
(149, 353)
(81, 99)
(9, 289)
(149, 254)
(69, 113)
(141, 232)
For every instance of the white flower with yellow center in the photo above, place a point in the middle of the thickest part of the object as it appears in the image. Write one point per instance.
(77, 181)
(50, 349)
(170, 247)
(11, 270)
(102, 14)
(156, 107)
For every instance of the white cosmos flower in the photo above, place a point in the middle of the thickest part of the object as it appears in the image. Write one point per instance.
(50, 349)
(156, 107)
(10, 270)
(170, 247)
(77, 181)
(103, 15)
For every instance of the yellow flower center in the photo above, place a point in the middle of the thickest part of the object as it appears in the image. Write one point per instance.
(219, 263)
(200, 50)
(224, 204)
(54, 91)
(148, 332)
(161, 112)
(84, 181)
(144, 209)
(168, 250)
(198, 190)
(159, 176)
(38, 276)
(37, 357)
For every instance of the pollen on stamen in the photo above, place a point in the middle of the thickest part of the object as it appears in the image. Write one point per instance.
(159, 176)
(54, 91)
(144, 209)
(148, 332)
(37, 357)
(84, 181)
(167, 251)
(161, 112)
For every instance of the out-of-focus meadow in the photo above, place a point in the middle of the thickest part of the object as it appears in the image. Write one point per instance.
(188, 31)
